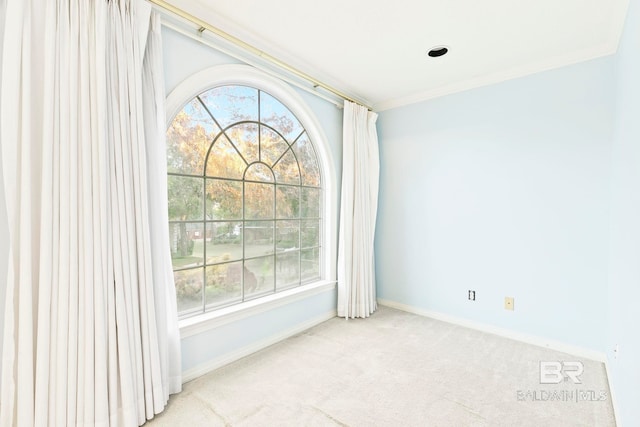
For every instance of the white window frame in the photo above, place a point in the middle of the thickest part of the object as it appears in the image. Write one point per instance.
(244, 75)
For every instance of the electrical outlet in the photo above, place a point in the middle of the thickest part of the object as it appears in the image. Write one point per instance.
(508, 303)
(616, 351)
(472, 295)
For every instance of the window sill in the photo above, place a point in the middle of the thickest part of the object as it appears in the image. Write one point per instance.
(211, 320)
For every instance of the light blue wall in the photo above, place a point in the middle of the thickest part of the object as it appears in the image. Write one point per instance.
(503, 190)
(624, 277)
(184, 57)
(217, 343)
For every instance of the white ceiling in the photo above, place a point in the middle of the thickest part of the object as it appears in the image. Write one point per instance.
(375, 50)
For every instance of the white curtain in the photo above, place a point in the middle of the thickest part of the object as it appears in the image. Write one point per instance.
(90, 334)
(3, 221)
(358, 209)
(155, 133)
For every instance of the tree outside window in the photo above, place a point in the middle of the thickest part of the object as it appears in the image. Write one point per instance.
(244, 190)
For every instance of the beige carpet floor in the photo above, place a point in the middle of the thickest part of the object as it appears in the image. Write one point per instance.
(393, 369)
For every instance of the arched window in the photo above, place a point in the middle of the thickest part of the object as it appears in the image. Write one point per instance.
(245, 193)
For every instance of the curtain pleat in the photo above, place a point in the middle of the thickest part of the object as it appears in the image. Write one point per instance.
(358, 210)
(154, 127)
(90, 331)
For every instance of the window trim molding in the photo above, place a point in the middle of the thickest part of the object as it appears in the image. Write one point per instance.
(245, 75)
(213, 319)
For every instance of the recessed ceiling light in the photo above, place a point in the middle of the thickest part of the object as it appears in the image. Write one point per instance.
(437, 51)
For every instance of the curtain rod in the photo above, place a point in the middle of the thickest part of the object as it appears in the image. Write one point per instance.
(205, 26)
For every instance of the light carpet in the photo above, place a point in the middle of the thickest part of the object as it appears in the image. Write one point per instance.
(393, 369)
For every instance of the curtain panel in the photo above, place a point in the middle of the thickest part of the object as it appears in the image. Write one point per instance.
(358, 210)
(90, 328)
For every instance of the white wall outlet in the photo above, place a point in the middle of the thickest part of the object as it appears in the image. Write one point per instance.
(508, 303)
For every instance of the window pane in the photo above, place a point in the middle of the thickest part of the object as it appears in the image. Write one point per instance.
(310, 232)
(224, 284)
(272, 146)
(224, 242)
(186, 244)
(259, 172)
(287, 270)
(258, 276)
(286, 170)
(258, 200)
(185, 198)
(287, 235)
(258, 238)
(245, 198)
(188, 139)
(310, 264)
(308, 162)
(287, 202)
(230, 104)
(279, 117)
(245, 138)
(224, 199)
(224, 160)
(310, 203)
(188, 289)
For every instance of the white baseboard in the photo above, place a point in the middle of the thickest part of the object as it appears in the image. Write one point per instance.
(507, 333)
(225, 359)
